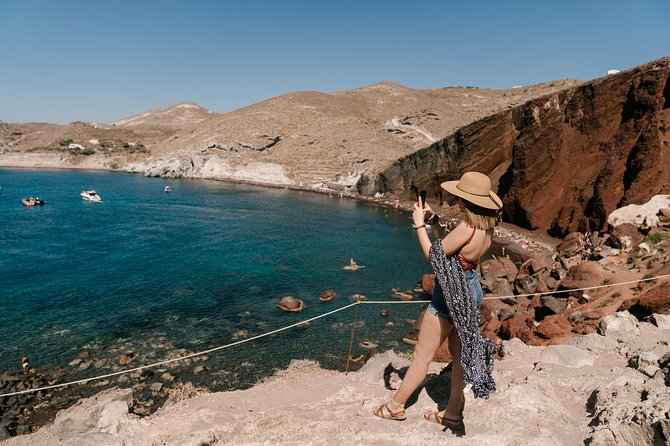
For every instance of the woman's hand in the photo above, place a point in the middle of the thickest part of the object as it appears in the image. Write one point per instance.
(419, 215)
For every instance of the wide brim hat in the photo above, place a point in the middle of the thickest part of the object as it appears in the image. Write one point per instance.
(474, 187)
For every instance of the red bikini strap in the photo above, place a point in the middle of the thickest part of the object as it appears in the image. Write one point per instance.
(470, 239)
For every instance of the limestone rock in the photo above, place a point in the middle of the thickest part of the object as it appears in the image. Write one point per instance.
(594, 343)
(646, 363)
(566, 356)
(620, 325)
(661, 320)
(99, 418)
(637, 214)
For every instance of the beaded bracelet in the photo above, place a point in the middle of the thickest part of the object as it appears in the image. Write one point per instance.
(420, 226)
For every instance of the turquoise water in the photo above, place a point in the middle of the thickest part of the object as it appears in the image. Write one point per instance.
(159, 271)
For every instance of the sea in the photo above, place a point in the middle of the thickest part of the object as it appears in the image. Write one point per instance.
(153, 275)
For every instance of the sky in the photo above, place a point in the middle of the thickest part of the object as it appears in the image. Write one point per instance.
(102, 60)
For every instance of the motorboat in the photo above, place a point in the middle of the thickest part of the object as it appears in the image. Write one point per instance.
(167, 189)
(90, 195)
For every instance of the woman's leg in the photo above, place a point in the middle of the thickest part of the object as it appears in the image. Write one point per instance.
(453, 410)
(433, 333)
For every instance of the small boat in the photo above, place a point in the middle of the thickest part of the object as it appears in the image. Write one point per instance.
(38, 200)
(28, 201)
(167, 189)
(90, 195)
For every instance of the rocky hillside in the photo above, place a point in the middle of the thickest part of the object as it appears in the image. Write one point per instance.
(306, 137)
(564, 161)
(563, 154)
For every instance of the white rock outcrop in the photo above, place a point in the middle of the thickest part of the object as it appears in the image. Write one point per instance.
(637, 214)
(186, 165)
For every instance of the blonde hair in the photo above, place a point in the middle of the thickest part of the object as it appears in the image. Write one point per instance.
(479, 217)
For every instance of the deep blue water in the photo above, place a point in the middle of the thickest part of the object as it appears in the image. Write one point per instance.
(191, 268)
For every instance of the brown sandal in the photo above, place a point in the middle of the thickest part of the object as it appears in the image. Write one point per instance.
(388, 414)
(455, 426)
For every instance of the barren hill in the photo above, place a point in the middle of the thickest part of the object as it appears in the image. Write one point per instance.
(316, 137)
(303, 137)
(177, 116)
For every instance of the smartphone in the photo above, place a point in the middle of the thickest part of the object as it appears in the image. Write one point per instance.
(422, 196)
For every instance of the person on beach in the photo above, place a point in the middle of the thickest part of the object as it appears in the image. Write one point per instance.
(453, 313)
(25, 365)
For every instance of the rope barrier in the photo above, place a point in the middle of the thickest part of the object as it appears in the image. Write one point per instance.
(181, 358)
(665, 276)
(357, 303)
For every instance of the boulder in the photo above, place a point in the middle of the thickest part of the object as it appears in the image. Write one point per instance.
(661, 321)
(522, 327)
(491, 308)
(98, 417)
(646, 362)
(629, 235)
(492, 269)
(543, 262)
(566, 356)
(595, 343)
(586, 274)
(290, 304)
(525, 284)
(555, 327)
(513, 347)
(656, 299)
(504, 289)
(639, 214)
(511, 268)
(550, 305)
(571, 244)
(551, 283)
(620, 325)
(327, 295)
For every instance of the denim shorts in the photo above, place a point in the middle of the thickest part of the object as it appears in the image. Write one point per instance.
(437, 304)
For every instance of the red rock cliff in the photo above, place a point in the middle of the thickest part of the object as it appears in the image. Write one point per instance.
(562, 162)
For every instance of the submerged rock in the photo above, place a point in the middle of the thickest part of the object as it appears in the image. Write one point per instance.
(290, 304)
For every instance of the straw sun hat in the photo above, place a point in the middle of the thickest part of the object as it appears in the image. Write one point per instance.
(474, 187)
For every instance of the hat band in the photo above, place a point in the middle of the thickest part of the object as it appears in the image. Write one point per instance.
(488, 194)
(481, 195)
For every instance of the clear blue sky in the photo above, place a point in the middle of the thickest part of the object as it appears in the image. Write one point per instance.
(101, 60)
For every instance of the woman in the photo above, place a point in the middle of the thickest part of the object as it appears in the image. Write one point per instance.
(466, 243)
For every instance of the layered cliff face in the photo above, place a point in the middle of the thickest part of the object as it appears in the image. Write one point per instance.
(562, 162)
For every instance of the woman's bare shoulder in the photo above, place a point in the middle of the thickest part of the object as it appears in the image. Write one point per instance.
(453, 241)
